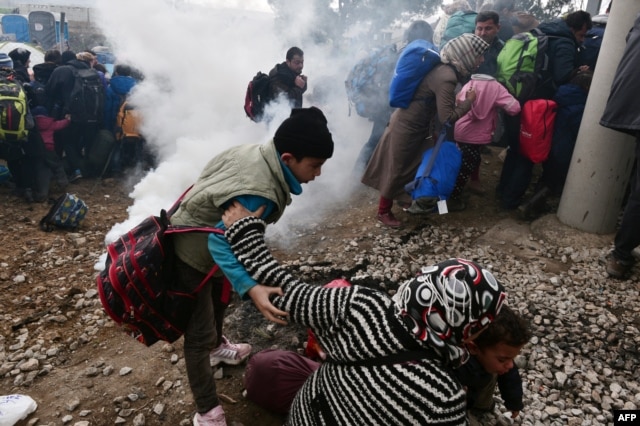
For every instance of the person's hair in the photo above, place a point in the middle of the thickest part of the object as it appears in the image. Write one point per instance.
(500, 5)
(488, 15)
(66, 56)
(100, 67)
(293, 52)
(577, 20)
(419, 30)
(583, 80)
(123, 70)
(53, 55)
(508, 327)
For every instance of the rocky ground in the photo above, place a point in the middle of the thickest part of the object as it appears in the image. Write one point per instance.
(58, 346)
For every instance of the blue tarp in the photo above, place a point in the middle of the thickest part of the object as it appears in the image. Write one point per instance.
(18, 25)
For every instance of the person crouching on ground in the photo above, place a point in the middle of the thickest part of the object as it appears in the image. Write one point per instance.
(389, 360)
(492, 362)
(253, 175)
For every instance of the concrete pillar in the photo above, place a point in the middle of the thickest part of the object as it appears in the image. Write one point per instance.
(593, 7)
(603, 158)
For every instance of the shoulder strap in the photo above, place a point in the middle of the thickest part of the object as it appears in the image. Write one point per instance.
(411, 186)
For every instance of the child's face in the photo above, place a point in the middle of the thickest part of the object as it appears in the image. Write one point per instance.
(497, 359)
(306, 169)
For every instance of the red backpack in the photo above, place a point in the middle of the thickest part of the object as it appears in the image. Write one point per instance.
(136, 285)
(536, 128)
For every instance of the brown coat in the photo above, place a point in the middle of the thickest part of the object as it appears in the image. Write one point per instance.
(396, 158)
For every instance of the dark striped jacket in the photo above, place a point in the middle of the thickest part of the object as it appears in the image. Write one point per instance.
(354, 324)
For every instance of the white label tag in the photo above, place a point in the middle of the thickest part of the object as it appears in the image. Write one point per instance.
(442, 207)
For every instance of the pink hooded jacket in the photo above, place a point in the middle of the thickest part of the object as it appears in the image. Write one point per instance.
(47, 126)
(477, 126)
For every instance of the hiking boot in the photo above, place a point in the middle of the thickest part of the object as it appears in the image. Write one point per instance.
(213, 417)
(388, 219)
(415, 208)
(617, 268)
(76, 175)
(229, 353)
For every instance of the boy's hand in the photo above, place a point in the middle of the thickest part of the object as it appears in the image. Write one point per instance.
(260, 295)
(237, 211)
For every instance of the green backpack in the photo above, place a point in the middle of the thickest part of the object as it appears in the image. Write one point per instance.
(521, 63)
(13, 109)
(461, 22)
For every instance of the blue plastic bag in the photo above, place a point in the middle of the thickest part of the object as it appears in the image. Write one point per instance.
(439, 182)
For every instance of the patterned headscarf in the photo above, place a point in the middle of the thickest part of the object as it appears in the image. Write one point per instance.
(462, 51)
(448, 303)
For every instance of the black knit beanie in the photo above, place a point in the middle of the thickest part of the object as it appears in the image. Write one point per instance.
(304, 134)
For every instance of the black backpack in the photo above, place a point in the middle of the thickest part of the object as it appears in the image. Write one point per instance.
(86, 101)
(257, 96)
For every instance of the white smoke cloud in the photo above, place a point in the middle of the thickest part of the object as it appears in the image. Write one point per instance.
(197, 62)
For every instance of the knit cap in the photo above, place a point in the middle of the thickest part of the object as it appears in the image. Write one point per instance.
(5, 61)
(305, 134)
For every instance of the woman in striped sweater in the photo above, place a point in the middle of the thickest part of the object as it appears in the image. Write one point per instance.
(390, 360)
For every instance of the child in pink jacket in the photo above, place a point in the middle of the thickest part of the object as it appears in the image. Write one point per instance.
(476, 128)
(54, 167)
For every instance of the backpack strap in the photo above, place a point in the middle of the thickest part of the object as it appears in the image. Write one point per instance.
(434, 154)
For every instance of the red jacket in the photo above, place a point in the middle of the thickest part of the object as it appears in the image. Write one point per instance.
(47, 126)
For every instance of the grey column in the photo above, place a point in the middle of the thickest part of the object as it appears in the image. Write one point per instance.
(603, 158)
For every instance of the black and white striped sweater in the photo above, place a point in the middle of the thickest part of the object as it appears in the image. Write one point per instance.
(353, 324)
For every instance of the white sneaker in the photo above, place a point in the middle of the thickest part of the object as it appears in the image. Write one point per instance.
(229, 353)
(213, 417)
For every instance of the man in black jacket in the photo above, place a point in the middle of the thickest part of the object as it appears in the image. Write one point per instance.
(287, 78)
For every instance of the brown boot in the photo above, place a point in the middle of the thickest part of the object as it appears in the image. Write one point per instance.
(388, 219)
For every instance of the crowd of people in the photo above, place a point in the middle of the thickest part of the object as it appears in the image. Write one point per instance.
(442, 343)
(70, 126)
(484, 112)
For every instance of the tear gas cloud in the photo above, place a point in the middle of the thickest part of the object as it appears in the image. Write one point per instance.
(197, 62)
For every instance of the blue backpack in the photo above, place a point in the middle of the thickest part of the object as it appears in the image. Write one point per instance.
(438, 171)
(416, 60)
(368, 81)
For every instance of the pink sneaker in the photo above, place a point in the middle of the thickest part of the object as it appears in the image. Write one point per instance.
(229, 353)
(213, 417)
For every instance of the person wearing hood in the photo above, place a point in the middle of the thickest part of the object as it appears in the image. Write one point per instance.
(390, 360)
(287, 78)
(21, 60)
(475, 129)
(42, 71)
(398, 155)
(120, 85)
(566, 35)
